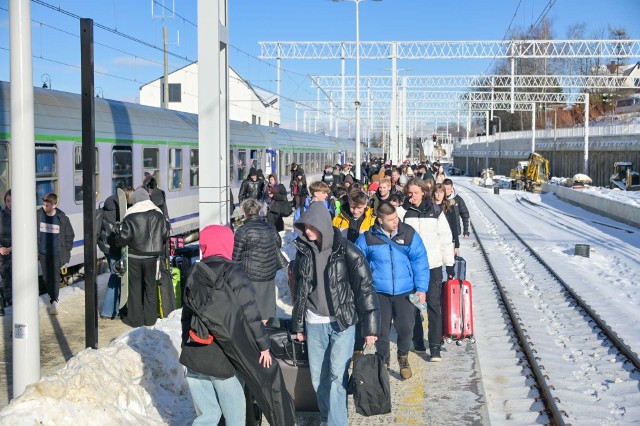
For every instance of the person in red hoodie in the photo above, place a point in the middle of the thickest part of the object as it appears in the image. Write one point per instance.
(224, 339)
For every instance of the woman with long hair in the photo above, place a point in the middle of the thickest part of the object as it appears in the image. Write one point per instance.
(439, 198)
(275, 195)
(421, 213)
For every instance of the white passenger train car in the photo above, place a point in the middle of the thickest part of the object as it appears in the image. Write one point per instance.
(134, 140)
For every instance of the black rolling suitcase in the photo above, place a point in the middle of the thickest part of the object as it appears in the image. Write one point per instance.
(292, 357)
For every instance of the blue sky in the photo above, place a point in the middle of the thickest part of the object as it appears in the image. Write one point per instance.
(250, 21)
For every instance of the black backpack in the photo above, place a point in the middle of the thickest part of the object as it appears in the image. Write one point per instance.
(369, 384)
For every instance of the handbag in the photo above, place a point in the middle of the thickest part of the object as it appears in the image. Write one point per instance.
(283, 345)
(369, 384)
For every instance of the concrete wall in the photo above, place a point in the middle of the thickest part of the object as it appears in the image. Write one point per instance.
(604, 206)
(566, 155)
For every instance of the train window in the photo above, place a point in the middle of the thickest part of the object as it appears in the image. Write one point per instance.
(175, 169)
(46, 171)
(194, 168)
(255, 164)
(5, 175)
(77, 174)
(151, 164)
(242, 164)
(121, 168)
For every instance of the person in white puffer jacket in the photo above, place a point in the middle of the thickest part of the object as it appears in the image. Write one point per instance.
(419, 212)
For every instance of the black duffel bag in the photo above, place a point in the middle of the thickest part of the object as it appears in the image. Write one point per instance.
(284, 345)
(369, 385)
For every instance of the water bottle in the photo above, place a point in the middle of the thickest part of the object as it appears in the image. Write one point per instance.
(416, 302)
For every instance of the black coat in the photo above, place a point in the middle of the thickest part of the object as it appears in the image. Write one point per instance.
(294, 176)
(144, 230)
(210, 359)
(224, 315)
(353, 298)
(462, 212)
(251, 189)
(280, 203)
(66, 234)
(255, 246)
(106, 238)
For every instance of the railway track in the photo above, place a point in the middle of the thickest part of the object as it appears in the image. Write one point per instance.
(584, 373)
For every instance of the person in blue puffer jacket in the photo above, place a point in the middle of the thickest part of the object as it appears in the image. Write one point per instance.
(400, 267)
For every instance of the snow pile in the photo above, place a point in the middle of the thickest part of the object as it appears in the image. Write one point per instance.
(135, 380)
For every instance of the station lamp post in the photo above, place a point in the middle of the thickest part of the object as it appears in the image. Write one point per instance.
(499, 137)
(555, 130)
(357, 102)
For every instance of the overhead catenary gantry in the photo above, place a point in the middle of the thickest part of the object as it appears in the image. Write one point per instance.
(432, 50)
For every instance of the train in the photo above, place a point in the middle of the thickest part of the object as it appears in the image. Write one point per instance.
(134, 141)
(626, 105)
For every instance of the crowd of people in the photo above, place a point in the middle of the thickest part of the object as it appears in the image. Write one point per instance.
(366, 250)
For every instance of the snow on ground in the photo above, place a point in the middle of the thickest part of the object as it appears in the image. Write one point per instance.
(137, 379)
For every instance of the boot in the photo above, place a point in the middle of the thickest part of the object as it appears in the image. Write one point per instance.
(435, 354)
(405, 368)
(1, 304)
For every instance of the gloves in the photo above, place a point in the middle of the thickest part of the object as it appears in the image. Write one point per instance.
(117, 228)
(451, 272)
(120, 267)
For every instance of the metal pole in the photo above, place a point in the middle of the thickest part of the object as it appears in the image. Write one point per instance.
(357, 103)
(513, 84)
(343, 83)
(555, 137)
(468, 141)
(278, 70)
(26, 324)
(370, 123)
(213, 110)
(165, 88)
(486, 133)
(586, 134)
(403, 140)
(296, 105)
(89, 184)
(533, 127)
(393, 125)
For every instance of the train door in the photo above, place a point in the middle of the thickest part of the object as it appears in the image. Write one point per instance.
(271, 162)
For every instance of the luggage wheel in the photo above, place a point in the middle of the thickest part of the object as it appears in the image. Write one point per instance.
(448, 340)
(458, 342)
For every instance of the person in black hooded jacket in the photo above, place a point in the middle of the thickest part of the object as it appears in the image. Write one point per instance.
(333, 292)
(5, 253)
(251, 187)
(223, 339)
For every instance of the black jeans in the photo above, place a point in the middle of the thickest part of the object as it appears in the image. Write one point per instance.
(434, 311)
(50, 264)
(275, 219)
(142, 304)
(399, 309)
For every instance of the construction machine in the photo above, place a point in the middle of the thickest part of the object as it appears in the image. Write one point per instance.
(529, 175)
(624, 177)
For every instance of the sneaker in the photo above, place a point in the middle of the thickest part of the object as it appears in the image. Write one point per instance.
(435, 355)
(53, 309)
(405, 368)
(419, 347)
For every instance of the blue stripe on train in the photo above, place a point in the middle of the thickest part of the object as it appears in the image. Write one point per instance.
(80, 243)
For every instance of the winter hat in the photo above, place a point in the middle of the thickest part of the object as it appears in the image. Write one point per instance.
(403, 180)
(216, 240)
(138, 195)
(253, 172)
(349, 179)
(374, 186)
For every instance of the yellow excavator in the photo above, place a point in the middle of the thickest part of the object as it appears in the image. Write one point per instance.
(529, 175)
(624, 177)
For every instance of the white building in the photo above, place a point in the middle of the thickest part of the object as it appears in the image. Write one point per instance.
(246, 102)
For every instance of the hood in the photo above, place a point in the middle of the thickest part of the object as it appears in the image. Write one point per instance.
(349, 179)
(252, 172)
(138, 195)
(318, 216)
(453, 195)
(216, 240)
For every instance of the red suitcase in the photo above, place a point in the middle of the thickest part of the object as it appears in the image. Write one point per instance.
(457, 311)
